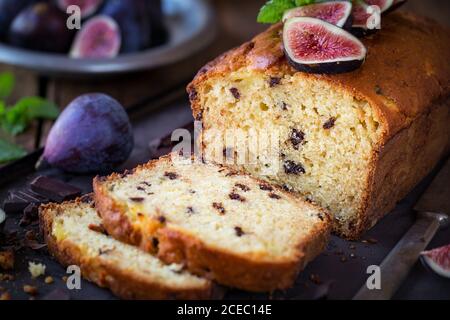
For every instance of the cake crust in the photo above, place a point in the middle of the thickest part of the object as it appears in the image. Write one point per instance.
(413, 114)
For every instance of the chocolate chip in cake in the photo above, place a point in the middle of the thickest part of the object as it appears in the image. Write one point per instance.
(330, 123)
(155, 243)
(297, 137)
(190, 210)
(235, 92)
(265, 187)
(140, 188)
(243, 187)
(162, 219)
(137, 199)
(146, 184)
(284, 106)
(102, 252)
(274, 81)
(239, 231)
(235, 196)
(287, 188)
(87, 199)
(219, 207)
(171, 175)
(274, 196)
(290, 167)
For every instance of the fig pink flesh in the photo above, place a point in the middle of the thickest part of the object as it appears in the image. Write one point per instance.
(315, 42)
(99, 39)
(331, 13)
(360, 15)
(440, 256)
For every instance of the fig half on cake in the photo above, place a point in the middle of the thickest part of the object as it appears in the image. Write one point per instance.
(315, 46)
(338, 13)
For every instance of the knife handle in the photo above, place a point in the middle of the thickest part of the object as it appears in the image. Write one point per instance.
(396, 266)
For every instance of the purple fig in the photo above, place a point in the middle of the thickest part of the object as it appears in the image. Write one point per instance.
(41, 27)
(93, 134)
(87, 7)
(133, 22)
(315, 46)
(9, 9)
(363, 15)
(98, 38)
(334, 12)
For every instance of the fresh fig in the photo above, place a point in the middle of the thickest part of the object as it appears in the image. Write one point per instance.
(315, 46)
(41, 27)
(363, 19)
(133, 20)
(438, 260)
(334, 12)
(87, 7)
(98, 38)
(9, 9)
(92, 135)
(384, 5)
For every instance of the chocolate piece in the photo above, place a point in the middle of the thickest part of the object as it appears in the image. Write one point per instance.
(219, 207)
(17, 201)
(330, 123)
(137, 199)
(235, 92)
(171, 175)
(30, 214)
(265, 187)
(55, 190)
(243, 187)
(239, 231)
(274, 81)
(297, 137)
(290, 167)
(235, 196)
(274, 196)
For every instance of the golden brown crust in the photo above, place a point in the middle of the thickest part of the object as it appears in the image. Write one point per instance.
(221, 266)
(407, 47)
(405, 79)
(124, 284)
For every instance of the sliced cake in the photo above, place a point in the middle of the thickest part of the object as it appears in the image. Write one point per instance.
(237, 230)
(75, 236)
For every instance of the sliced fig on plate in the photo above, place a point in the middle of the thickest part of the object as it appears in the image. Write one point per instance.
(334, 12)
(438, 260)
(384, 5)
(98, 38)
(315, 46)
(364, 18)
(87, 7)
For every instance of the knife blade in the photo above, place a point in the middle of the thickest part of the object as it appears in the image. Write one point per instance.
(433, 210)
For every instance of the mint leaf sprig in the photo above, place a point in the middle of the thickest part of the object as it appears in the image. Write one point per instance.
(273, 10)
(15, 119)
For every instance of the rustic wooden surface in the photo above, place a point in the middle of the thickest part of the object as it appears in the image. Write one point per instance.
(236, 21)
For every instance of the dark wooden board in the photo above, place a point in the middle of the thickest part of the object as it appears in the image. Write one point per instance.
(339, 280)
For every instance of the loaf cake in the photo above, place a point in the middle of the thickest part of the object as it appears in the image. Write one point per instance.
(355, 143)
(220, 224)
(75, 236)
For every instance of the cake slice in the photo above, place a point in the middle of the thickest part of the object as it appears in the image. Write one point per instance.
(227, 226)
(355, 143)
(75, 236)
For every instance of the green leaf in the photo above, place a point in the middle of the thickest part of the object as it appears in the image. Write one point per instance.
(7, 82)
(10, 152)
(18, 117)
(273, 10)
(300, 3)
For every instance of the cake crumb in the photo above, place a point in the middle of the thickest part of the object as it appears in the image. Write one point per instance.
(7, 260)
(48, 280)
(5, 296)
(36, 269)
(31, 290)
